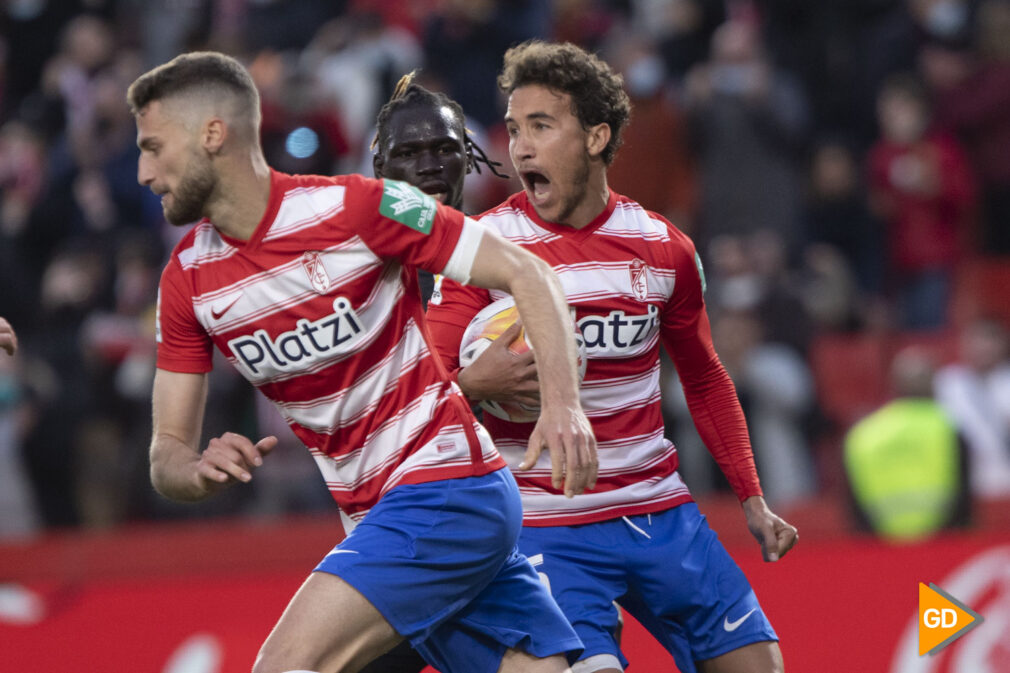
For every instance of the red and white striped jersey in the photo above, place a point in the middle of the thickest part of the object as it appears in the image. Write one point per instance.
(633, 280)
(320, 310)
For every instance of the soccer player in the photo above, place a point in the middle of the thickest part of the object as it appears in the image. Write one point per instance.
(8, 339)
(635, 281)
(306, 285)
(421, 138)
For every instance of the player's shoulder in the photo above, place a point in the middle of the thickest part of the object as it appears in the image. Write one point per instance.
(201, 241)
(512, 207)
(633, 218)
(352, 181)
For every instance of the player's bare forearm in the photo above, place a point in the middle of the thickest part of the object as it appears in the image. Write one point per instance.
(502, 265)
(562, 428)
(775, 535)
(544, 312)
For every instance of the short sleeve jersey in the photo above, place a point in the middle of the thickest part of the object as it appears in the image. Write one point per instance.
(634, 282)
(320, 310)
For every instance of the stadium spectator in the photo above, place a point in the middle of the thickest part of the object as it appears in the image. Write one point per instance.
(837, 213)
(972, 90)
(626, 541)
(975, 391)
(748, 120)
(922, 189)
(905, 463)
(344, 326)
(655, 161)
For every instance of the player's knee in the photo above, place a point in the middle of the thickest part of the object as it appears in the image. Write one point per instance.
(598, 663)
(517, 661)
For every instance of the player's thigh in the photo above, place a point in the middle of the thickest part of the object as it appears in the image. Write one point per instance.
(763, 657)
(585, 576)
(517, 661)
(327, 626)
(690, 594)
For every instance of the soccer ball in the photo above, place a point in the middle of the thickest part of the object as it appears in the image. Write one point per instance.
(489, 324)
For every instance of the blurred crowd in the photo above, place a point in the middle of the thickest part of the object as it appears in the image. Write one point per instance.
(838, 163)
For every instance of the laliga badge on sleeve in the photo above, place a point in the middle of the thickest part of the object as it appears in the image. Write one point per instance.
(942, 619)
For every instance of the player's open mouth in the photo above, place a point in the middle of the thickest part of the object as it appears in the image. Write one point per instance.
(439, 190)
(537, 184)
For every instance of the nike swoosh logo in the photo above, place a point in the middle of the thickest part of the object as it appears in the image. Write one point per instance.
(343, 551)
(733, 626)
(216, 315)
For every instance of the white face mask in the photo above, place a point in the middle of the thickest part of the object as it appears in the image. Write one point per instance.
(947, 18)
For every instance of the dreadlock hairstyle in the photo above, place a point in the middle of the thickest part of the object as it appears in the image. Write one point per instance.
(408, 93)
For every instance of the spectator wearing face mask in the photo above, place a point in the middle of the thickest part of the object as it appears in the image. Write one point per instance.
(921, 187)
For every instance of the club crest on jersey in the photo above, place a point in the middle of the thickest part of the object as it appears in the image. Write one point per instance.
(408, 205)
(639, 280)
(312, 263)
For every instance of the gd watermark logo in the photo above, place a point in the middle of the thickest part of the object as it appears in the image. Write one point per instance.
(942, 619)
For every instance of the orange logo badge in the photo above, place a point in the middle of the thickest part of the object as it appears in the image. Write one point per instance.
(942, 619)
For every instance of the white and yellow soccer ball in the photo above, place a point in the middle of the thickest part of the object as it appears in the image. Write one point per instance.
(490, 323)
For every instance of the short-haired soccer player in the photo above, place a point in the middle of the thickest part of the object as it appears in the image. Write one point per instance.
(307, 285)
(635, 282)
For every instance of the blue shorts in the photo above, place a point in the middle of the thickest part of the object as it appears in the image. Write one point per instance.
(667, 569)
(439, 561)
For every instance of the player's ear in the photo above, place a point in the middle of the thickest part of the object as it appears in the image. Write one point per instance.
(377, 163)
(215, 131)
(597, 139)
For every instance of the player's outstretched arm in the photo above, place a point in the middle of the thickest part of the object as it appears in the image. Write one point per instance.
(774, 533)
(562, 428)
(8, 339)
(178, 470)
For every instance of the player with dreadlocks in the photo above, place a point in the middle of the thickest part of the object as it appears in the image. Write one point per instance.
(421, 138)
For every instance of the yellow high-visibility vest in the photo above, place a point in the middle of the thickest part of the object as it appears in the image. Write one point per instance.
(903, 466)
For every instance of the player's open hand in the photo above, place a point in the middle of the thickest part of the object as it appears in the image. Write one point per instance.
(775, 535)
(8, 339)
(231, 458)
(565, 432)
(501, 374)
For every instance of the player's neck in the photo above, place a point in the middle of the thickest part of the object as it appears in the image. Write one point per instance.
(240, 200)
(593, 202)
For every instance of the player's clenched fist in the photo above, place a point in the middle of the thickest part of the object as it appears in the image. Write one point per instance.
(8, 339)
(230, 458)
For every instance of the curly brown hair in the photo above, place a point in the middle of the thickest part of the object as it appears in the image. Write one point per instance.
(597, 92)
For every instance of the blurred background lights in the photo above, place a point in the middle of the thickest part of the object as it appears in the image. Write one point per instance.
(302, 143)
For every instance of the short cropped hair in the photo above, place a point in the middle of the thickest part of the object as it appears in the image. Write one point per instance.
(597, 92)
(200, 72)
